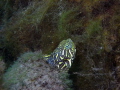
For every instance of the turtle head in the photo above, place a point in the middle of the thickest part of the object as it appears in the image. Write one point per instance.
(67, 44)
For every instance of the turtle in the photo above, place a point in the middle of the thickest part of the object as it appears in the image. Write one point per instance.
(63, 55)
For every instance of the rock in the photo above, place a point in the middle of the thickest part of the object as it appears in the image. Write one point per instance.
(29, 75)
(2, 66)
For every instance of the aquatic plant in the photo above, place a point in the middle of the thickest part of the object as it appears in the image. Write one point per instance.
(93, 29)
(64, 76)
(24, 30)
(67, 22)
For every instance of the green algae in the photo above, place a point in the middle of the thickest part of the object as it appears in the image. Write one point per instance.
(69, 22)
(64, 23)
(14, 74)
(23, 29)
(93, 28)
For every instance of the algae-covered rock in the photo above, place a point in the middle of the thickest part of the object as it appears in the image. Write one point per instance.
(2, 65)
(2, 69)
(31, 72)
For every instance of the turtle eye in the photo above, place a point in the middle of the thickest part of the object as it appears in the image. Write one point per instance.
(67, 46)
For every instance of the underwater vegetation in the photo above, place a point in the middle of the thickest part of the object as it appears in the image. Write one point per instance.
(25, 21)
(93, 25)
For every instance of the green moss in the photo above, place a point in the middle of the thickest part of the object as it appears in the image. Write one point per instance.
(1, 58)
(65, 18)
(93, 29)
(64, 23)
(64, 76)
(15, 74)
(30, 55)
(32, 15)
(23, 32)
(35, 13)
